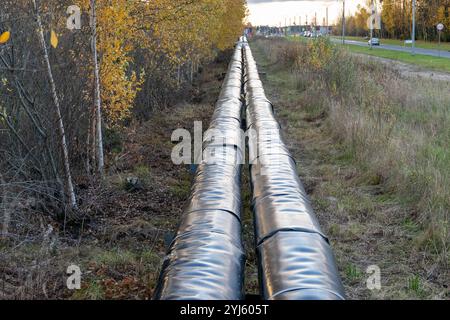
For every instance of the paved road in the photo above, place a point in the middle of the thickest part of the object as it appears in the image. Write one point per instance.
(427, 52)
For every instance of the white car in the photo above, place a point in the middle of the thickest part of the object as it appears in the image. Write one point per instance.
(375, 42)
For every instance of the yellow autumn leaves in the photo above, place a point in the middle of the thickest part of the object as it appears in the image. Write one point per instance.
(178, 31)
(53, 39)
(4, 37)
(397, 18)
(193, 29)
(117, 38)
(174, 33)
(320, 54)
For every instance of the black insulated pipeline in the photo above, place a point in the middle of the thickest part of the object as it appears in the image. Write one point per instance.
(205, 261)
(295, 259)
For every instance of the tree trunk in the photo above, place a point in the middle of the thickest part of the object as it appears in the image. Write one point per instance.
(100, 157)
(88, 145)
(70, 189)
(3, 208)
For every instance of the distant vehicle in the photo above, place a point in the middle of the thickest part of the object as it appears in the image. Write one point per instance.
(375, 42)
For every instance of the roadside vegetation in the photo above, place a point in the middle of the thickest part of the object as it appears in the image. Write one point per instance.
(374, 152)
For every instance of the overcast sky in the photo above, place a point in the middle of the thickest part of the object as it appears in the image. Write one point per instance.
(270, 12)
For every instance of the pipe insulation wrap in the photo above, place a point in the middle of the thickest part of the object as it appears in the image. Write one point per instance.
(205, 261)
(295, 259)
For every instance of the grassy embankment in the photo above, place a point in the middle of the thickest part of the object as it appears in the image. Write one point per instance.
(428, 62)
(374, 152)
(423, 61)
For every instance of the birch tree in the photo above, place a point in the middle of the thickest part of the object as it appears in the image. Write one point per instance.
(69, 183)
(97, 98)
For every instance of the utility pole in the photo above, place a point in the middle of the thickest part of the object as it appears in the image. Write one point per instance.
(343, 22)
(371, 24)
(285, 26)
(413, 36)
(327, 22)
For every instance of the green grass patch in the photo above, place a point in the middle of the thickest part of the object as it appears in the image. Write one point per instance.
(353, 272)
(92, 291)
(181, 189)
(411, 226)
(429, 62)
(415, 286)
(116, 258)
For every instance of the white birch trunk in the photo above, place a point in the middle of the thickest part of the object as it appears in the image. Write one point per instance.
(88, 145)
(61, 129)
(100, 156)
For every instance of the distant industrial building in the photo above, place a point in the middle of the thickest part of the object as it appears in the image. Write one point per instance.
(294, 30)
